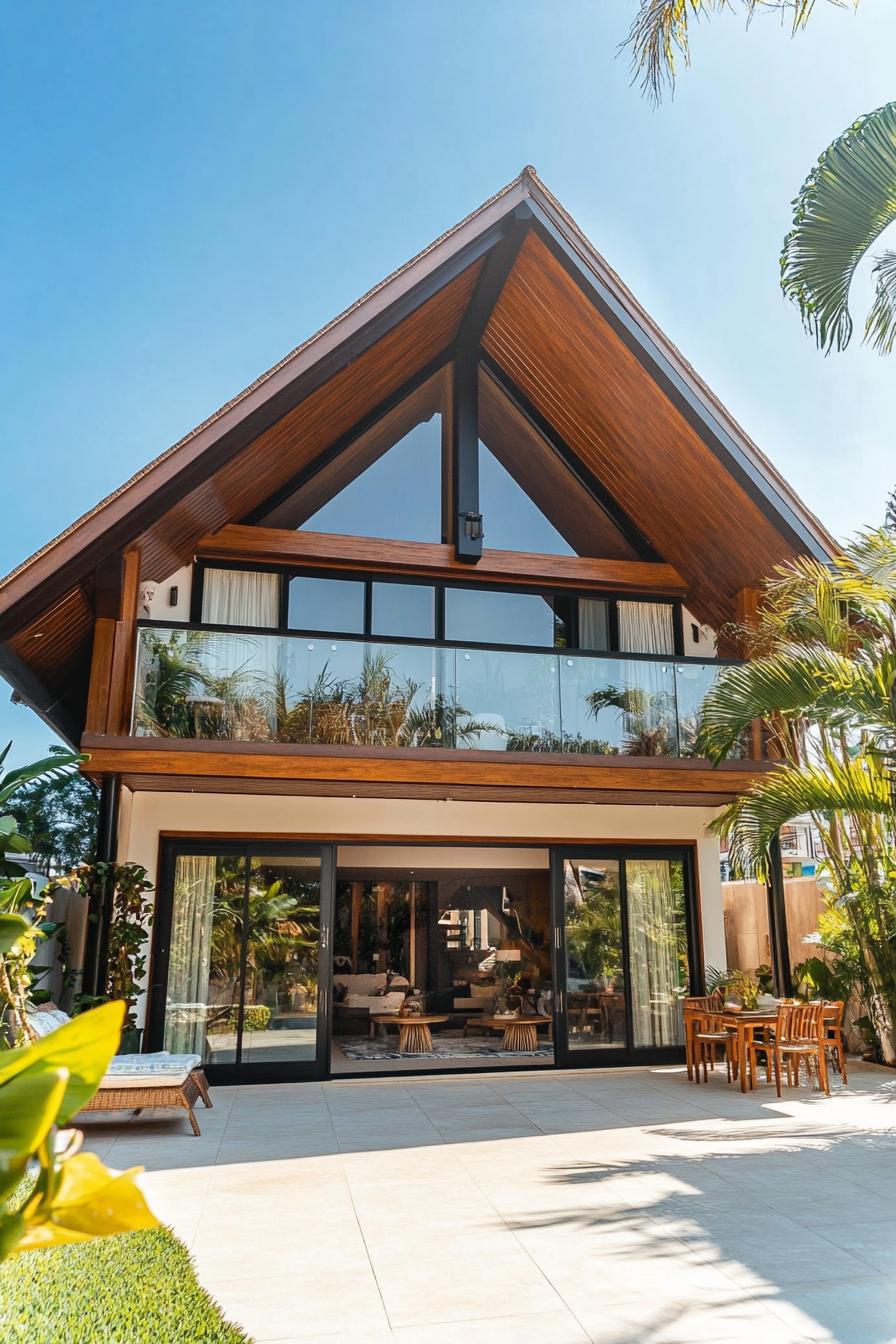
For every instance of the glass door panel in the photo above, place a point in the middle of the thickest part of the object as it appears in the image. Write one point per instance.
(595, 970)
(658, 946)
(205, 958)
(282, 944)
(240, 943)
(624, 943)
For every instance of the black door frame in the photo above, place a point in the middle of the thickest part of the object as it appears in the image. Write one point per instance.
(238, 1072)
(612, 1056)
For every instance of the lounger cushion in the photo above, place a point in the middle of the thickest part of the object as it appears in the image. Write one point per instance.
(160, 1062)
(119, 1080)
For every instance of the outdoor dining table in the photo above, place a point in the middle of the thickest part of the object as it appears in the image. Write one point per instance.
(744, 1024)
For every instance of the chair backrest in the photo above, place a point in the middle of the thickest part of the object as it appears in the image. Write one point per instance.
(800, 1022)
(833, 1011)
(703, 1003)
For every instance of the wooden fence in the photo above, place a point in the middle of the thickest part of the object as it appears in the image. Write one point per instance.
(745, 906)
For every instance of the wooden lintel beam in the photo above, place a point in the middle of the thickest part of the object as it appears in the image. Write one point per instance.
(442, 768)
(318, 550)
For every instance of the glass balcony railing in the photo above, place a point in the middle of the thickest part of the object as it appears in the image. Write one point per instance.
(217, 685)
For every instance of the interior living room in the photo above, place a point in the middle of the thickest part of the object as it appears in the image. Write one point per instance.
(441, 959)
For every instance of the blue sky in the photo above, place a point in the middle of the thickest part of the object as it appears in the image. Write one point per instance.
(191, 189)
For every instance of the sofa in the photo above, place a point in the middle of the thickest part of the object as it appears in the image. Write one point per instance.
(357, 997)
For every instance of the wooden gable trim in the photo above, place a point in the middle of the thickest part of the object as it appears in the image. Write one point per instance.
(429, 560)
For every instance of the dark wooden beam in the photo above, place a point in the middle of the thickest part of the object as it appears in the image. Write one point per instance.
(320, 550)
(30, 691)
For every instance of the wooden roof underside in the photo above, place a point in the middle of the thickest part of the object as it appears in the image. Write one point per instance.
(563, 330)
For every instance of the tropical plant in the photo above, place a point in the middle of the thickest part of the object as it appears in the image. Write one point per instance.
(129, 922)
(659, 35)
(18, 898)
(42, 1085)
(58, 812)
(823, 680)
(842, 208)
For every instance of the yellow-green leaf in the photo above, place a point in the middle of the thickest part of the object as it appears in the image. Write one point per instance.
(91, 1201)
(11, 929)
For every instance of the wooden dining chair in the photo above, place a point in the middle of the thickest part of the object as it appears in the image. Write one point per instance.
(709, 1036)
(697, 1008)
(833, 1015)
(799, 1034)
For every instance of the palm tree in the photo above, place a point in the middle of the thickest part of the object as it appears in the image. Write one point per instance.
(823, 680)
(658, 37)
(844, 205)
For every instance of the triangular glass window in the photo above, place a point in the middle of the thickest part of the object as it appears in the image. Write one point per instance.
(528, 497)
(387, 483)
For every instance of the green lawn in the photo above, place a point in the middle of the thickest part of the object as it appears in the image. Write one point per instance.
(136, 1288)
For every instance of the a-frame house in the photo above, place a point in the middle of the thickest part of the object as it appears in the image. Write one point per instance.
(391, 671)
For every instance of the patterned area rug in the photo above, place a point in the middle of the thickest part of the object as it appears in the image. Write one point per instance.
(360, 1048)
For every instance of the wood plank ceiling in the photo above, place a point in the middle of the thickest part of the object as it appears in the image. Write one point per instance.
(571, 364)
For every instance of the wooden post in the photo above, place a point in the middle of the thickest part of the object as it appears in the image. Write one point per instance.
(125, 649)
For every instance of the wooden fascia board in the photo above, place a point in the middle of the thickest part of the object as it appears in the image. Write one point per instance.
(444, 768)
(280, 546)
(117, 522)
(665, 366)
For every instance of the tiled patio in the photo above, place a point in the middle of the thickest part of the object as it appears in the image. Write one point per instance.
(619, 1208)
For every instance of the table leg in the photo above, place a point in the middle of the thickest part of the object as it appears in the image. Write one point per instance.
(520, 1036)
(742, 1054)
(414, 1038)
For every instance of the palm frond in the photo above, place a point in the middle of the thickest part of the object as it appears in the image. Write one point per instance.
(658, 37)
(753, 820)
(880, 327)
(844, 205)
(795, 681)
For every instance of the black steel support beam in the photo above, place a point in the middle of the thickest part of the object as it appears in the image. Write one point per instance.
(465, 409)
(100, 914)
(777, 923)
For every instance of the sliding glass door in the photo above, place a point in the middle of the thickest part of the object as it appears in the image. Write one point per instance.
(625, 940)
(240, 973)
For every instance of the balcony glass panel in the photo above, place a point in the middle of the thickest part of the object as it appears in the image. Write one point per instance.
(507, 701)
(225, 686)
(618, 706)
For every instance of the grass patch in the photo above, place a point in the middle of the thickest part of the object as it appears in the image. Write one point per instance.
(135, 1288)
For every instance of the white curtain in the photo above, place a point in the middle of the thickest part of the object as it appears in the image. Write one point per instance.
(240, 597)
(593, 632)
(190, 958)
(646, 627)
(657, 951)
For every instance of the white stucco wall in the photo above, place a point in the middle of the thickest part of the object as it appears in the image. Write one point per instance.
(146, 817)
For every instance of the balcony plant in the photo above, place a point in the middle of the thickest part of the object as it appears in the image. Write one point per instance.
(823, 677)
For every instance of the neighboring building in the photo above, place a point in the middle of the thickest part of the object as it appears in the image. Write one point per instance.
(391, 671)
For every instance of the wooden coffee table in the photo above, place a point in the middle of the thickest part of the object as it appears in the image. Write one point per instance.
(520, 1033)
(414, 1036)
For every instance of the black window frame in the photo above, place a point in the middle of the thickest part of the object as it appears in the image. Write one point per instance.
(440, 585)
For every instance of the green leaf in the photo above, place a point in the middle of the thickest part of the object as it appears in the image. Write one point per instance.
(56, 766)
(83, 1046)
(843, 207)
(11, 929)
(29, 1106)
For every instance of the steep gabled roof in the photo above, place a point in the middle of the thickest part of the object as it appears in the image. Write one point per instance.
(568, 333)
